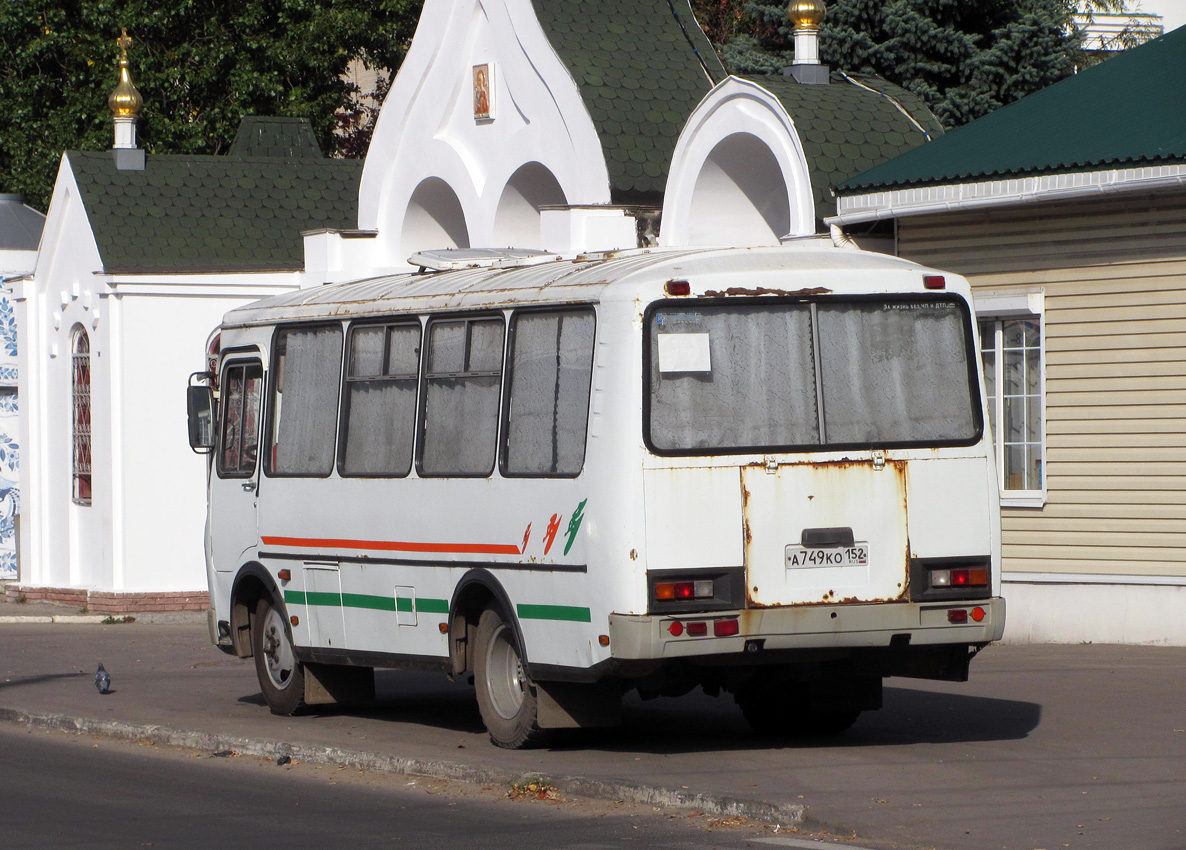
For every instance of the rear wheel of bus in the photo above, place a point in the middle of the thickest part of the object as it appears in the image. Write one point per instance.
(281, 676)
(507, 697)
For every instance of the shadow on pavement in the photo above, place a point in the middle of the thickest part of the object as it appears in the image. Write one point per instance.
(698, 723)
(909, 716)
(38, 680)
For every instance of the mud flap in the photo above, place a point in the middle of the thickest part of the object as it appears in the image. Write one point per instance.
(570, 705)
(326, 684)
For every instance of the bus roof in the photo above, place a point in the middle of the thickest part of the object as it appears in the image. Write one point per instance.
(586, 279)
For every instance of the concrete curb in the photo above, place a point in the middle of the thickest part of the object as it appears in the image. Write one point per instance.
(784, 814)
(92, 619)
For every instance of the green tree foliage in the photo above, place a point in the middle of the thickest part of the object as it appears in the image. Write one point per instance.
(201, 65)
(965, 58)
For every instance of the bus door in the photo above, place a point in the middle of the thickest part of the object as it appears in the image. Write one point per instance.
(234, 487)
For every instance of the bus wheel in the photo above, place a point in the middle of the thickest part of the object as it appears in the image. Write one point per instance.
(506, 694)
(281, 677)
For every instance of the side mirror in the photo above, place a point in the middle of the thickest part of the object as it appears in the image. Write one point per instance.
(199, 403)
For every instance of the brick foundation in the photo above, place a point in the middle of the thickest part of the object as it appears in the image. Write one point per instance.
(108, 602)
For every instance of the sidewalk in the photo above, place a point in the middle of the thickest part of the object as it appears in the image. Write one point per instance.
(1046, 746)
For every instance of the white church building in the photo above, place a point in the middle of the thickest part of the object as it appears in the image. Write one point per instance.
(569, 126)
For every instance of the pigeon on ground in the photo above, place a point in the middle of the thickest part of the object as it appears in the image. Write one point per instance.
(102, 679)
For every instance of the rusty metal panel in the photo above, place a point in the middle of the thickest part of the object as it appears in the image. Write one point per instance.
(783, 500)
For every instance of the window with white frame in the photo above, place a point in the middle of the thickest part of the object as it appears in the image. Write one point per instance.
(1011, 338)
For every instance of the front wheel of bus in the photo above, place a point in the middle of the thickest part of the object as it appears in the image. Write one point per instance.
(506, 695)
(281, 676)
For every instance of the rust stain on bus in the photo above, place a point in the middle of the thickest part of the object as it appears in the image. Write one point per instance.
(762, 290)
(898, 468)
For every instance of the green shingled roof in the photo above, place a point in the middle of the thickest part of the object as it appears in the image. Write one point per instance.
(186, 214)
(1126, 112)
(849, 126)
(266, 136)
(641, 69)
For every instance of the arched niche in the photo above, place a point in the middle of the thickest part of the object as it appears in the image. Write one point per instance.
(738, 174)
(517, 219)
(434, 219)
(740, 196)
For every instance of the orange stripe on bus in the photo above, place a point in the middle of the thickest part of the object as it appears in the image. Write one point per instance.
(396, 546)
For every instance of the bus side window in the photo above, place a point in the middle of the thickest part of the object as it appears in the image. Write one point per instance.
(239, 432)
(551, 364)
(379, 405)
(304, 408)
(462, 386)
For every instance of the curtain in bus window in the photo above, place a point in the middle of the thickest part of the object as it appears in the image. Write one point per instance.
(551, 364)
(895, 372)
(464, 382)
(305, 404)
(232, 420)
(240, 431)
(253, 390)
(745, 376)
(381, 400)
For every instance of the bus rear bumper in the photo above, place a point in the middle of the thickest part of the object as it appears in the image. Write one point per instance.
(656, 637)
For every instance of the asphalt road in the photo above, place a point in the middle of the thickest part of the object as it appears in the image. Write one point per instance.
(1047, 747)
(62, 790)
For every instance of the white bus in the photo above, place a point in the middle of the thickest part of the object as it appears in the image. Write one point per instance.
(760, 471)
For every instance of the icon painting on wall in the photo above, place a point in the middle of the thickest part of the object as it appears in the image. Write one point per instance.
(483, 92)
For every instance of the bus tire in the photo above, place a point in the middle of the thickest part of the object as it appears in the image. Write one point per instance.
(281, 676)
(506, 695)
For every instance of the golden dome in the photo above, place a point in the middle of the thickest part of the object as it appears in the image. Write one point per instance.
(124, 101)
(807, 14)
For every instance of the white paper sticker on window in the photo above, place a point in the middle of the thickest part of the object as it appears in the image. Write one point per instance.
(684, 353)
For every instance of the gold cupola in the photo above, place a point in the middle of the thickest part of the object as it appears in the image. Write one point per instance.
(806, 14)
(125, 101)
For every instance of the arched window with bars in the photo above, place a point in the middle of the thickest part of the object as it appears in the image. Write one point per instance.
(80, 419)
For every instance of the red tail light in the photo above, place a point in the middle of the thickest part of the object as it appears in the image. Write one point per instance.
(668, 590)
(725, 628)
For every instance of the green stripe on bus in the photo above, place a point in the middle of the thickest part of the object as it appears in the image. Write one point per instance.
(333, 600)
(568, 613)
(365, 601)
(373, 603)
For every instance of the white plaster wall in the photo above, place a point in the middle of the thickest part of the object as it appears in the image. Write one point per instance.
(13, 263)
(426, 130)
(162, 491)
(143, 530)
(1094, 613)
(738, 174)
(59, 540)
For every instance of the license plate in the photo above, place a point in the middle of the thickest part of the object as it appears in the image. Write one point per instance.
(800, 557)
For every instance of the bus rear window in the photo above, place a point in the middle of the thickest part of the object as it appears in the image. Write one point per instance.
(763, 376)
